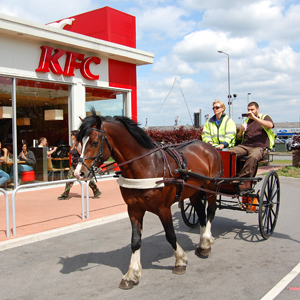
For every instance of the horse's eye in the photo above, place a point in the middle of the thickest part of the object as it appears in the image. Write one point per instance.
(94, 144)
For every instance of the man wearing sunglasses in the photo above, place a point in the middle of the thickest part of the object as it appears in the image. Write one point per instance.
(256, 136)
(219, 130)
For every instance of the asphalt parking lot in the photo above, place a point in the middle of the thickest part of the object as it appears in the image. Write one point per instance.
(90, 263)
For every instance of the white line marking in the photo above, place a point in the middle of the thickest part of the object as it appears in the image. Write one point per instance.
(277, 289)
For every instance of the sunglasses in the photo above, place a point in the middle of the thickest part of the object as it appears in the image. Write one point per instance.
(216, 107)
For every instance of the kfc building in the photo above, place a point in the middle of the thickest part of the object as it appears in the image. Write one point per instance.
(50, 75)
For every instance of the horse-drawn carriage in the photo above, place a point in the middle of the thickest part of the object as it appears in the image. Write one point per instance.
(265, 202)
(154, 177)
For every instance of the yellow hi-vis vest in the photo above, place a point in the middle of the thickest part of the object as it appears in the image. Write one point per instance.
(226, 132)
(270, 133)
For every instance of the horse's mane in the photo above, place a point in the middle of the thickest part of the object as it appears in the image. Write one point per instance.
(132, 127)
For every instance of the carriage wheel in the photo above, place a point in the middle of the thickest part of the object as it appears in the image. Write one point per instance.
(189, 214)
(269, 204)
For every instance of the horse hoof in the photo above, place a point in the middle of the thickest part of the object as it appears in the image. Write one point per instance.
(202, 252)
(126, 285)
(179, 270)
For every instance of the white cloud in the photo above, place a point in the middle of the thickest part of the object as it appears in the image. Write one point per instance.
(163, 22)
(262, 38)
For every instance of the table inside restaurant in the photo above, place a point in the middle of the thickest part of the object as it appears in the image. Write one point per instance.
(7, 164)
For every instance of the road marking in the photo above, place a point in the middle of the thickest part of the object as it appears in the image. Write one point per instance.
(277, 289)
(294, 288)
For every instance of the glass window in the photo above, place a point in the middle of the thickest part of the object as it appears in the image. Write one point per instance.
(6, 115)
(42, 111)
(106, 102)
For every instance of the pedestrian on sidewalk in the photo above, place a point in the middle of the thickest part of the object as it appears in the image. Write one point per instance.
(75, 154)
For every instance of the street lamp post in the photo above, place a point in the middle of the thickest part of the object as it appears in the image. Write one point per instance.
(229, 96)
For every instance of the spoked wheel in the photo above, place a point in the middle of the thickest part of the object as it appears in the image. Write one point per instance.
(269, 204)
(189, 214)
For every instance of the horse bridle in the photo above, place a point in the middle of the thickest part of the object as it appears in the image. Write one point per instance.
(93, 169)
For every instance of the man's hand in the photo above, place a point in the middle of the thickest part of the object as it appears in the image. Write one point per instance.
(242, 129)
(251, 115)
(221, 146)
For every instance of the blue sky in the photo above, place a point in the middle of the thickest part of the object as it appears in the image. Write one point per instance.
(262, 39)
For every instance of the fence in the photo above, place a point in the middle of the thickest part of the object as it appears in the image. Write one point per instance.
(6, 212)
(31, 185)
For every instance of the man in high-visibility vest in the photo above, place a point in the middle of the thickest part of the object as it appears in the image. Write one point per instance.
(257, 136)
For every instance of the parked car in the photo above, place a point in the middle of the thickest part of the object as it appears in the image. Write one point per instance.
(278, 140)
(295, 142)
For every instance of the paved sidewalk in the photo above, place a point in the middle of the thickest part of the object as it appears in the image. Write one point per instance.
(39, 211)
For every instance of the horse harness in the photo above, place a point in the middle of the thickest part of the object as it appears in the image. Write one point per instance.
(172, 150)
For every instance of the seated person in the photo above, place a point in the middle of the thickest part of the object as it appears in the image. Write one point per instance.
(3, 175)
(256, 138)
(219, 130)
(27, 156)
(43, 143)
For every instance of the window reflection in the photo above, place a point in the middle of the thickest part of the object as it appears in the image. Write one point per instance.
(105, 102)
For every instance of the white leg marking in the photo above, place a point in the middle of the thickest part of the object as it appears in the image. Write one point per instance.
(181, 258)
(135, 268)
(206, 238)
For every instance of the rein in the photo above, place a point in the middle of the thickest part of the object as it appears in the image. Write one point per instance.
(93, 169)
(159, 148)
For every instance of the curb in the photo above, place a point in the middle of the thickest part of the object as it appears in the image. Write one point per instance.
(37, 237)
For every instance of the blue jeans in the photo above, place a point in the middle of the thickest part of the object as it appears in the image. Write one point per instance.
(3, 177)
(21, 169)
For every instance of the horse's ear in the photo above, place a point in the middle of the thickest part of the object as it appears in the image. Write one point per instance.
(80, 119)
(97, 125)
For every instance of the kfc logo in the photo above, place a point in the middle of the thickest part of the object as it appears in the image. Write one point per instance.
(49, 62)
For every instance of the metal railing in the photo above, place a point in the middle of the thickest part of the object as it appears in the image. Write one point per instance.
(31, 185)
(6, 212)
(13, 200)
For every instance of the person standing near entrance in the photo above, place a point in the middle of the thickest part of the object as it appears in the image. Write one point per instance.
(75, 153)
(219, 130)
(256, 136)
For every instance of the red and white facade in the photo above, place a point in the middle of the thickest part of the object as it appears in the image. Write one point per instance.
(94, 51)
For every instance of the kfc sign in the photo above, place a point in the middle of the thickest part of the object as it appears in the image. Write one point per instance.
(49, 62)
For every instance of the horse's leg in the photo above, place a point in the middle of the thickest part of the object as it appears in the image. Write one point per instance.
(180, 256)
(206, 238)
(134, 272)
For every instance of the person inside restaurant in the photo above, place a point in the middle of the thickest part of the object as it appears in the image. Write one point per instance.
(4, 177)
(26, 156)
(43, 143)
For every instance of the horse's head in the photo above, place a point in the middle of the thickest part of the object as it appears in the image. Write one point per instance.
(95, 146)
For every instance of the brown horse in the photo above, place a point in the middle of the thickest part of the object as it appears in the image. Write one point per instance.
(142, 165)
